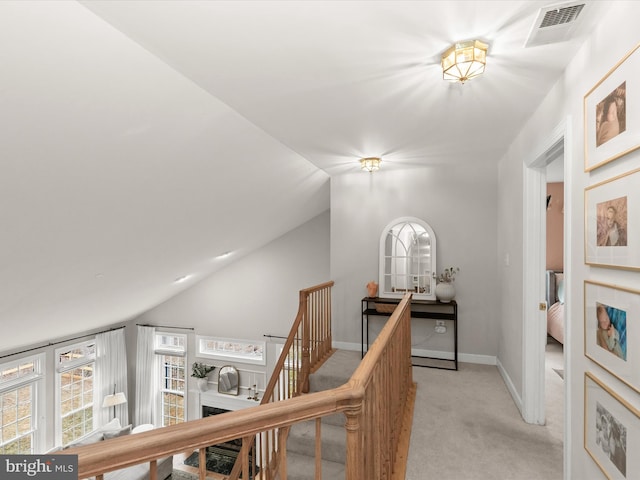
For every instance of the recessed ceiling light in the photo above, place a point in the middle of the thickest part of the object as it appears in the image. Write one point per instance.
(224, 255)
(182, 279)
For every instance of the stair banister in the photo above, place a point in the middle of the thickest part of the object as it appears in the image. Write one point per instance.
(375, 402)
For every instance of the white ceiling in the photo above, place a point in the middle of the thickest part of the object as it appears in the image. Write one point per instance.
(141, 139)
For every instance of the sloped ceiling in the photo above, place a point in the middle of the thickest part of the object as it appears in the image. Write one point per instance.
(142, 139)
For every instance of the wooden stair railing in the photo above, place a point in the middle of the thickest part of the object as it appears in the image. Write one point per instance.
(307, 346)
(377, 402)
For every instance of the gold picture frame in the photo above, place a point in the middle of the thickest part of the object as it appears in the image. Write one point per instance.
(612, 222)
(611, 430)
(611, 125)
(612, 330)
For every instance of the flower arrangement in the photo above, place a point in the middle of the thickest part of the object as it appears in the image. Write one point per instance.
(448, 275)
(200, 370)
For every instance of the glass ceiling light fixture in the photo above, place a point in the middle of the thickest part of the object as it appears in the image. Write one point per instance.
(370, 164)
(464, 61)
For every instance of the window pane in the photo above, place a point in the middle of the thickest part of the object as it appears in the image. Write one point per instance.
(79, 353)
(16, 435)
(76, 402)
(172, 389)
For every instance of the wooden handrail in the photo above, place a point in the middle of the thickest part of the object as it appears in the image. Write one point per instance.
(373, 402)
(306, 346)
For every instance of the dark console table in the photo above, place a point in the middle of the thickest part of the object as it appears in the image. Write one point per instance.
(419, 309)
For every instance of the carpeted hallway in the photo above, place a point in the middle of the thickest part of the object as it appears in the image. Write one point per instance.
(466, 427)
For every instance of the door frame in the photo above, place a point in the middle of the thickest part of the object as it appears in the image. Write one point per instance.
(534, 254)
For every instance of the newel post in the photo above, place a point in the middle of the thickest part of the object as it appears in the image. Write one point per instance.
(355, 452)
(306, 342)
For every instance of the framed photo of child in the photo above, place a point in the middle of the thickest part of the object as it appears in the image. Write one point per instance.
(612, 225)
(611, 430)
(611, 333)
(611, 120)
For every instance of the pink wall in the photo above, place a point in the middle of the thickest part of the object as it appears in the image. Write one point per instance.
(555, 226)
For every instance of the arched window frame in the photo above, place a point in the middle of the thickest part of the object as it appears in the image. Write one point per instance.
(400, 268)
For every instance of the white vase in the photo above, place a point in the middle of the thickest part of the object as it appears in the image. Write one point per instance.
(203, 384)
(445, 291)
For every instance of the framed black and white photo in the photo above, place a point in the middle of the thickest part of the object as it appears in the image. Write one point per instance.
(612, 223)
(611, 430)
(611, 330)
(612, 113)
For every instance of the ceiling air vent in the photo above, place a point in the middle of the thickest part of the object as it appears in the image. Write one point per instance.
(554, 24)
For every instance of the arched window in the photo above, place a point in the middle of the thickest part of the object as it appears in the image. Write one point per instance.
(408, 259)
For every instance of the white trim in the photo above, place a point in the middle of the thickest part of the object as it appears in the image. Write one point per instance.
(462, 357)
(534, 320)
(512, 389)
(36, 379)
(258, 357)
(568, 276)
(477, 359)
(354, 347)
(534, 328)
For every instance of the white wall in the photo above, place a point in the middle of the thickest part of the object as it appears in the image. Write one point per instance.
(459, 204)
(253, 296)
(510, 259)
(257, 294)
(614, 36)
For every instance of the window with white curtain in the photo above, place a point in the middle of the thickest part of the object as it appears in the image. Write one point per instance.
(19, 389)
(75, 366)
(171, 349)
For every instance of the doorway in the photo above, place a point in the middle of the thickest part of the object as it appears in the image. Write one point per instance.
(557, 145)
(554, 295)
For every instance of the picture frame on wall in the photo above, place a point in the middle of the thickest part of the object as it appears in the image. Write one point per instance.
(611, 430)
(611, 333)
(612, 113)
(612, 222)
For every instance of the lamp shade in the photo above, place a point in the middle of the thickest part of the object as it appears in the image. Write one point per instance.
(114, 399)
(464, 61)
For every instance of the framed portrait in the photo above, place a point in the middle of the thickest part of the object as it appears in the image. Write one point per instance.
(611, 333)
(611, 430)
(612, 113)
(612, 222)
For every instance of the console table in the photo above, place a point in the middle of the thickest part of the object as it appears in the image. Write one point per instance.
(434, 310)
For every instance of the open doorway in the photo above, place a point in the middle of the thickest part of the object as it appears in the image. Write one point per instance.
(557, 145)
(554, 293)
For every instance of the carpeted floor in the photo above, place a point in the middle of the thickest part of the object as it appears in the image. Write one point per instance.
(466, 427)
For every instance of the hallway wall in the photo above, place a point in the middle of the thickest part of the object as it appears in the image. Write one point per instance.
(614, 37)
(460, 205)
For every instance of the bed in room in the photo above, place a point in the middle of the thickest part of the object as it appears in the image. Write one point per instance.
(555, 304)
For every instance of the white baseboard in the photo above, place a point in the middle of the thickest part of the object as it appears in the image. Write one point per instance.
(355, 347)
(462, 357)
(478, 359)
(512, 389)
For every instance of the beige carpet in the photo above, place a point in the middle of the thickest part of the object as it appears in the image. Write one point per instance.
(466, 427)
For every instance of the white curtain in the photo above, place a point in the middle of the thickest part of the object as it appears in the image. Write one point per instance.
(110, 375)
(146, 384)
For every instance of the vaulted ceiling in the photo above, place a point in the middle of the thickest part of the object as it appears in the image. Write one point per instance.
(142, 139)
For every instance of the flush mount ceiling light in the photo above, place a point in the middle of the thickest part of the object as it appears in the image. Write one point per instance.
(370, 164)
(464, 61)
